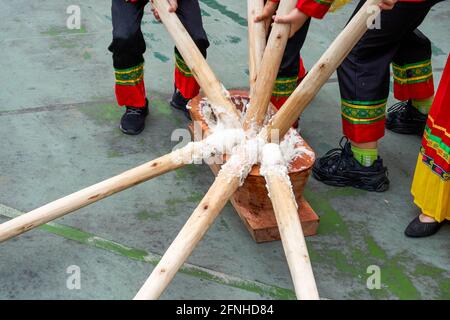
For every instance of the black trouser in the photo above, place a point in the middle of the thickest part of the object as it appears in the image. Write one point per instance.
(291, 59)
(289, 73)
(128, 44)
(364, 75)
(128, 47)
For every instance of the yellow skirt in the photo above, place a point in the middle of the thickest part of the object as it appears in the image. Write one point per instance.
(430, 192)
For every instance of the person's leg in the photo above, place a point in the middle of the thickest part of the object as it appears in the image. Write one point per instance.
(128, 47)
(413, 85)
(364, 86)
(430, 190)
(186, 87)
(431, 183)
(291, 69)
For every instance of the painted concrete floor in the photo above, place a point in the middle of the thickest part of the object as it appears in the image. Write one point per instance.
(59, 129)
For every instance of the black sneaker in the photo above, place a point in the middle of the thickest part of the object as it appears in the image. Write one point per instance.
(133, 120)
(339, 168)
(419, 229)
(180, 103)
(403, 118)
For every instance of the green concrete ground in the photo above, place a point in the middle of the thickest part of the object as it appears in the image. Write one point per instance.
(59, 129)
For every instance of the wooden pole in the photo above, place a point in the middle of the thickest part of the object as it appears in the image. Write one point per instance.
(256, 43)
(292, 237)
(222, 106)
(225, 184)
(273, 54)
(274, 170)
(256, 39)
(323, 69)
(96, 192)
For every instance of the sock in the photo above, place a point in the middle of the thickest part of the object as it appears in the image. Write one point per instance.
(366, 157)
(423, 105)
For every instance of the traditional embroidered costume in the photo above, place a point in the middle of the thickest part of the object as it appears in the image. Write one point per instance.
(364, 75)
(364, 85)
(128, 47)
(431, 184)
(292, 70)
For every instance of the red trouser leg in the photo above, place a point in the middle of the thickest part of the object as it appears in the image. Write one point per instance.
(282, 90)
(130, 87)
(363, 121)
(284, 86)
(128, 47)
(413, 81)
(184, 80)
(412, 70)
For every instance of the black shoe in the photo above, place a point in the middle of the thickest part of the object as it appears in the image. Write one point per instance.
(133, 120)
(403, 118)
(419, 229)
(180, 103)
(339, 168)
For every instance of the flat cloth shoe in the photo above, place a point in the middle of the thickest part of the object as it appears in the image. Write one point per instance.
(419, 229)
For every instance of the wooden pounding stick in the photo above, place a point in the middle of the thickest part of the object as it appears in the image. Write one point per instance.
(271, 61)
(323, 69)
(222, 106)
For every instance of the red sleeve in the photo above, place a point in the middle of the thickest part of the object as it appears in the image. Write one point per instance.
(314, 8)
